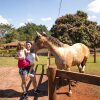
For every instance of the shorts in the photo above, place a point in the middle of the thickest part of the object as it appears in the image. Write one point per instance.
(25, 71)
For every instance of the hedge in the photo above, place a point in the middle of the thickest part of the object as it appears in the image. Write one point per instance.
(8, 52)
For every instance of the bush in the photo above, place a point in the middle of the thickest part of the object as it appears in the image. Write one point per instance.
(8, 52)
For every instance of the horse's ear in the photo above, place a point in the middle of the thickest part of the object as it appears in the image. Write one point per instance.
(44, 33)
(38, 34)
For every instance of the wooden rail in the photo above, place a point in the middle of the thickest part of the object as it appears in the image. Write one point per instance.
(53, 73)
(41, 75)
(85, 78)
(94, 53)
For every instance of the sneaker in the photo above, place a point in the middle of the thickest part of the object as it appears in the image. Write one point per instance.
(37, 91)
(25, 95)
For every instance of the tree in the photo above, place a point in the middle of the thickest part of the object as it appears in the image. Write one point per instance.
(24, 33)
(7, 33)
(12, 36)
(4, 29)
(28, 32)
(74, 28)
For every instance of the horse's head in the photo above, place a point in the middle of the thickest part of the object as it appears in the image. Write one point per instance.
(40, 42)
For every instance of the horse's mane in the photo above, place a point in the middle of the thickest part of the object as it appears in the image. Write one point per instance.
(55, 41)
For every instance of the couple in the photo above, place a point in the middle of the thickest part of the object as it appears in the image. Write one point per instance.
(26, 60)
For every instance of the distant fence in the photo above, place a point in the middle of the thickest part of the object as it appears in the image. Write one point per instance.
(95, 52)
(53, 73)
(43, 52)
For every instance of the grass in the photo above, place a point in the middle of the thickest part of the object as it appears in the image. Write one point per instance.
(91, 68)
(4, 99)
(8, 62)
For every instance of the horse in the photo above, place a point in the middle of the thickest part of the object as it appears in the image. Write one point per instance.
(65, 55)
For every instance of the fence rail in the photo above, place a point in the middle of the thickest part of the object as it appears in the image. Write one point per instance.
(53, 73)
(85, 78)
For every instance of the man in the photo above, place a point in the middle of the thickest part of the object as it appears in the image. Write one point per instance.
(30, 71)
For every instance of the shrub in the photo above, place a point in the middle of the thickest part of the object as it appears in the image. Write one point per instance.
(8, 52)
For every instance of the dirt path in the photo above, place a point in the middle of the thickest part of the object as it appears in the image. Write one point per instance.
(10, 88)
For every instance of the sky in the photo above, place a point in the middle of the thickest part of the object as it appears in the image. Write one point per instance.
(45, 12)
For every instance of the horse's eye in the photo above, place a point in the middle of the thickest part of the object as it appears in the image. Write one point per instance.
(36, 39)
(39, 37)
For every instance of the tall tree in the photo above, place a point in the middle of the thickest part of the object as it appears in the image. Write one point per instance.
(28, 32)
(7, 33)
(4, 29)
(12, 36)
(74, 28)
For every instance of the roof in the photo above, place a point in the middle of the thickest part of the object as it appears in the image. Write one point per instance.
(12, 43)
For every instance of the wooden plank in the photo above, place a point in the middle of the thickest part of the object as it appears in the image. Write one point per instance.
(28, 85)
(40, 74)
(85, 78)
(52, 83)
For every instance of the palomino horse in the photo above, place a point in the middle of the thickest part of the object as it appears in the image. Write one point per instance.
(65, 55)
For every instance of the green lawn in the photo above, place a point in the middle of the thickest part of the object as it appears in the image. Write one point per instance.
(8, 62)
(91, 68)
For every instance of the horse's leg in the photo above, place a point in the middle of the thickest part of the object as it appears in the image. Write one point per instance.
(83, 69)
(61, 79)
(83, 64)
(70, 83)
(70, 89)
(80, 68)
(68, 69)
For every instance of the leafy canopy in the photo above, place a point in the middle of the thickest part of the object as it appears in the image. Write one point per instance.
(74, 28)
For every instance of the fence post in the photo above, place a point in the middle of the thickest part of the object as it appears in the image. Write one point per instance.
(48, 61)
(52, 83)
(94, 54)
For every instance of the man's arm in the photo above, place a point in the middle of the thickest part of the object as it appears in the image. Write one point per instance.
(31, 68)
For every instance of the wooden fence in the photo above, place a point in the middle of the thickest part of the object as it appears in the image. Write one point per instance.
(94, 53)
(53, 73)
